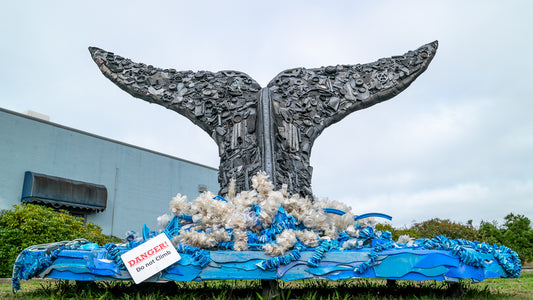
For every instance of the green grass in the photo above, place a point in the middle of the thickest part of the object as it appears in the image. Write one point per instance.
(521, 288)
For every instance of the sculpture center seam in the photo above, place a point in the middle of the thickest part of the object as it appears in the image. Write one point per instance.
(266, 138)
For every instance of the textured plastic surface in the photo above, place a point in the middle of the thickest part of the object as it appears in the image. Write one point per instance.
(365, 252)
(427, 259)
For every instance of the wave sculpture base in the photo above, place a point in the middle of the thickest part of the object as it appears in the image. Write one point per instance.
(439, 259)
(268, 234)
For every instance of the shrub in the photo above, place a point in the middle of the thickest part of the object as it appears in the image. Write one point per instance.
(436, 226)
(396, 233)
(29, 224)
(516, 233)
(490, 233)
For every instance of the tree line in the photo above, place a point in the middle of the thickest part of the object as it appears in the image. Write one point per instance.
(516, 232)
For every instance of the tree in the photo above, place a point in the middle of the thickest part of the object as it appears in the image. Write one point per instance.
(489, 233)
(396, 233)
(518, 235)
(446, 227)
(516, 232)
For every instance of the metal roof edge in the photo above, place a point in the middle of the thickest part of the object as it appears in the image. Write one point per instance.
(102, 138)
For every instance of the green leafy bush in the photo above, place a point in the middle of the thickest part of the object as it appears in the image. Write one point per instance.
(432, 228)
(29, 224)
(453, 230)
(516, 233)
(396, 233)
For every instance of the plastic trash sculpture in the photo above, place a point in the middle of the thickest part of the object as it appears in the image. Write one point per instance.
(261, 229)
(268, 234)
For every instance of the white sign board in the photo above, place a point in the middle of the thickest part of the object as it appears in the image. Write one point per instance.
(151, 257)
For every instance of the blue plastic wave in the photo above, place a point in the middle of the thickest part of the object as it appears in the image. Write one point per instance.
(335, 211)
(220, 198)
(186, 218)
(369, 253)
(33, 260)
(321, 250)
(378, 215)
(275, 262)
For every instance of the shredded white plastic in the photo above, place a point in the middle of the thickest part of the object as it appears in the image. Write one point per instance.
(215, 221)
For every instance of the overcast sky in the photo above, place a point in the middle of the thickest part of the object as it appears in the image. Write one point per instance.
(457, 144)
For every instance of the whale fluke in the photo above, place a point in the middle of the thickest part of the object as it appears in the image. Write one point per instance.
(269, 129)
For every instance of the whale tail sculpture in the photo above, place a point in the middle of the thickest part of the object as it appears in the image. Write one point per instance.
(272, 130)
(269, 129)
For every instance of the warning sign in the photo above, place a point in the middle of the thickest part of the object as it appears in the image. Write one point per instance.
(149, 258)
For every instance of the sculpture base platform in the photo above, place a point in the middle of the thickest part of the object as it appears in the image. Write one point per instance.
(85, 261)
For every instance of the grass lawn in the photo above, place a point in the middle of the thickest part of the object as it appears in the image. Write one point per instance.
(520, 288)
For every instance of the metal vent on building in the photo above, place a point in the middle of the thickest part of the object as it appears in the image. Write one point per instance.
(63, 193)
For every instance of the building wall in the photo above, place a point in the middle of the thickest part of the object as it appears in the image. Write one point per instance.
(140, 183)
